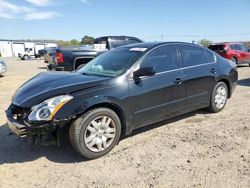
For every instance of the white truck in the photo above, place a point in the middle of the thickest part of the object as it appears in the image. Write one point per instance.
(28, 53)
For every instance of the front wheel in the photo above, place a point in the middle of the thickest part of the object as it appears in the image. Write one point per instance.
(25, 57)
(95, 133)
(219, 97)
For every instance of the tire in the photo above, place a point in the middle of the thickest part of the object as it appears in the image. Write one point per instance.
(220, 93)
(88, 132)
(25, 57)
(234, 59)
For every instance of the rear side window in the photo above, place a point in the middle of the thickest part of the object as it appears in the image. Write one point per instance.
(116, 43)
(210, 57)
(163, 59)
(101, 41)
(192, 55)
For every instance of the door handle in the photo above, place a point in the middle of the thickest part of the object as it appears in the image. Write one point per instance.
(178, 81)
(213, 70)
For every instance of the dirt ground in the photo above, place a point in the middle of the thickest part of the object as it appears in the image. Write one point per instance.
(198, 149)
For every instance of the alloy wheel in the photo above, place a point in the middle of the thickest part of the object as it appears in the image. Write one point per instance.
(220, 97)
(100, 134)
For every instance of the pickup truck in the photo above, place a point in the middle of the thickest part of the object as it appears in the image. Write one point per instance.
(73, 58)
(27, 54)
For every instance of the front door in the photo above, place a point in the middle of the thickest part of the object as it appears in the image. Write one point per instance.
(154, 98)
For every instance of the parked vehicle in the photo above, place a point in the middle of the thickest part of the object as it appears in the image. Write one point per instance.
(3, 67)
(41, 52)
(121, 90)
(28, 54)
(49, 54)
(237, 52)
(73, 58)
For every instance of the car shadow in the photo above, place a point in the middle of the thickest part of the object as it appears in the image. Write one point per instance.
(244, 82)
(244, 65)
(44, 68)
(165, 122)
(16, 150)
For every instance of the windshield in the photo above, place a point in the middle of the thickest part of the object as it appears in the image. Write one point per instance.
(112, 63)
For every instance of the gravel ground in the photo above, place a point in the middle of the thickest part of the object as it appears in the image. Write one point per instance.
(198, 149)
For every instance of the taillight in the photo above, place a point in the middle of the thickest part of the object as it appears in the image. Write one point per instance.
(59, 57)
(225, 50)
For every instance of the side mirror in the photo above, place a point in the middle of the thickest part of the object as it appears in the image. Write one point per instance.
(144, 71)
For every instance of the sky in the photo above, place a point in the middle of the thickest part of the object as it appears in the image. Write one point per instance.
(150, 20)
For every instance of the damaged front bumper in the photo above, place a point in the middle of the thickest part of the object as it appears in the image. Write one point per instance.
(16, 122)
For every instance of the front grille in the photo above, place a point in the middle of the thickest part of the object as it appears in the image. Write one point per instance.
(23, 132)
(18, 114)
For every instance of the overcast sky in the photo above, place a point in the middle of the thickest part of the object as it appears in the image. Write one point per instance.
(169, 20)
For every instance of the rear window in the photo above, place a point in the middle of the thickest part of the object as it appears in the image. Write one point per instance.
(116, 43)
(217, 47)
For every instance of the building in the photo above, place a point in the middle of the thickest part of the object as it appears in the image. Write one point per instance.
(11, 48)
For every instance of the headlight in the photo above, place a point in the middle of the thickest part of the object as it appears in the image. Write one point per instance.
(46, 110)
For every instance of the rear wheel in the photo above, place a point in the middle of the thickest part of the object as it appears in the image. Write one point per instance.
(219, 97)
(234, 59)
(95, 133)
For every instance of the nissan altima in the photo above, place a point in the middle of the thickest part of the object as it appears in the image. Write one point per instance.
(122, 90)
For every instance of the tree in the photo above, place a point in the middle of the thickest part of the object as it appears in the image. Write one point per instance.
(74, 42)
(87, 40)
(205, 42)
(62, 43)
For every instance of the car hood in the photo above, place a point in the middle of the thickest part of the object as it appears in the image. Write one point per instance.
(51, 84)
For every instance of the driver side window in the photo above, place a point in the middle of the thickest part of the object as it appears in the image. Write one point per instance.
(162, 59)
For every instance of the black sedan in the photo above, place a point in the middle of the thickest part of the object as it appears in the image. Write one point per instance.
(121, 90)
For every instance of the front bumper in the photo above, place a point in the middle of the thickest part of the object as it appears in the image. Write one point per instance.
(17, 124)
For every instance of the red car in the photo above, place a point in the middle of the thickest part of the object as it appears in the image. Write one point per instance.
(236, 52)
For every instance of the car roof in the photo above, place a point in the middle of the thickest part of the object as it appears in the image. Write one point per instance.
(226, 43)
(150, 45)
(119, 37)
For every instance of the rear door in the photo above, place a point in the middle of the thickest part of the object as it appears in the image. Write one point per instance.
(200, 75)
(154, 98)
